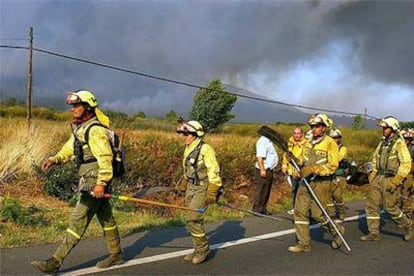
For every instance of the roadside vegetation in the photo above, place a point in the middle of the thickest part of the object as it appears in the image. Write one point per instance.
(34, 207)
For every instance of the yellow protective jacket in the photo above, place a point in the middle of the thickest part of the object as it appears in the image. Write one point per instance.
(342, 153)
(208, 168)
(297, 149)
(323, 156)
(99, 147)
(392, 157)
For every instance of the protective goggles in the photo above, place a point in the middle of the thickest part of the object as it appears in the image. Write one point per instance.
(316, 120)
(185, 128)
(72, 98)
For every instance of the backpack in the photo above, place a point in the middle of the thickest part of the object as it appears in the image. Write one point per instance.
(118, 152)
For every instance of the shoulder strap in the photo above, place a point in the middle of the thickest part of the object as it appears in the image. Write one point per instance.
(88, 128)
(196, 152)
(194, 155)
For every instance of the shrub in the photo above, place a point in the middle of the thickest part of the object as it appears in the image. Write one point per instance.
(14, 211)
(60, 181)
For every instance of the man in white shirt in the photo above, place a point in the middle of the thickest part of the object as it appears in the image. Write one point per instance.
(267, 160)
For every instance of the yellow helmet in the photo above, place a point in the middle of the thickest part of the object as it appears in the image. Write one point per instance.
(191, 127)
(320, 118)
(335, 133)
(390, 122)
(82, 96)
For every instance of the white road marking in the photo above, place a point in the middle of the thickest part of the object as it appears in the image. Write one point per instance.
(175, 254)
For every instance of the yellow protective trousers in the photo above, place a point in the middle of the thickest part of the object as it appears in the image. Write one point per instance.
(307, 208)
(377, 196)
(338, 187)
(407, 191)
(85, 209)
(195, 197)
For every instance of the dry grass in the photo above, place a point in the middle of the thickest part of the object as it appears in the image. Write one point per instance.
(22, 148)
(153, 158)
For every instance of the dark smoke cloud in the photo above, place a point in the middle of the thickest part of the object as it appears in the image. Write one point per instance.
(344, 55)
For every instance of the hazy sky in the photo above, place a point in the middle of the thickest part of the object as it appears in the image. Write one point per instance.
(341, 55)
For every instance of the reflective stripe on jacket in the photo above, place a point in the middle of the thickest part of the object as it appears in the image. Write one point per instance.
(324, 155)
(392, 156)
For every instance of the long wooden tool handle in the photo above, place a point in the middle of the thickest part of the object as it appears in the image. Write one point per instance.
(156, 203)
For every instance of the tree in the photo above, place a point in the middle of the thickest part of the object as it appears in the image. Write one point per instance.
(212, 106)
(171, 116)
(407, 124)
(11, 102)
(358, 123)
(139, 115)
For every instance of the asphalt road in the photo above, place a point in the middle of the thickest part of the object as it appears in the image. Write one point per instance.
(252, 246)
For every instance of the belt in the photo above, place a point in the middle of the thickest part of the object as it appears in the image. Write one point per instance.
(89, 160)
(194, 181)
(323, 178)
(386, 173)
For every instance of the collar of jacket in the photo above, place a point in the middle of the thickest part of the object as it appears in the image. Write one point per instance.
(194, 144)
(390, 139)
(318, 140)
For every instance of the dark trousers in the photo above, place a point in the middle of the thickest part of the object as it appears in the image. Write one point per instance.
(262, 194)
(295, 187)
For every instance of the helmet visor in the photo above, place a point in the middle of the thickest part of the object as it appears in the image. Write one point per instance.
(72, 98)
(185, 129)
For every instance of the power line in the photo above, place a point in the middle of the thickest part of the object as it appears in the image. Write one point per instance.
(13, 39)
(14, 47)
(191, 85)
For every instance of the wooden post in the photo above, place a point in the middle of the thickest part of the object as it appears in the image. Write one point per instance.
(29, 81)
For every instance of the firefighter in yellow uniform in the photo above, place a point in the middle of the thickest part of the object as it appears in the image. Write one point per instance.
(408, 187)
(201, 182)
(94, 163)
(338, 185)
(296, 145)
(320, 164)
(391, 163)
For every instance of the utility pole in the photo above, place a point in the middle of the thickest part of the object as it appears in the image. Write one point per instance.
(29, 81)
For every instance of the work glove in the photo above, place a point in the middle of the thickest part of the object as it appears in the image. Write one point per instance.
(181, 186)
(212, 193)
(371, 177)
(395, 183)
(307, 171)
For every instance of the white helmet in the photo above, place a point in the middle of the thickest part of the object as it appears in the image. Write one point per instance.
(320, 118)
(406, 133)
(390, 122)
(335, 133)
(193, 127)
(82, 96)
